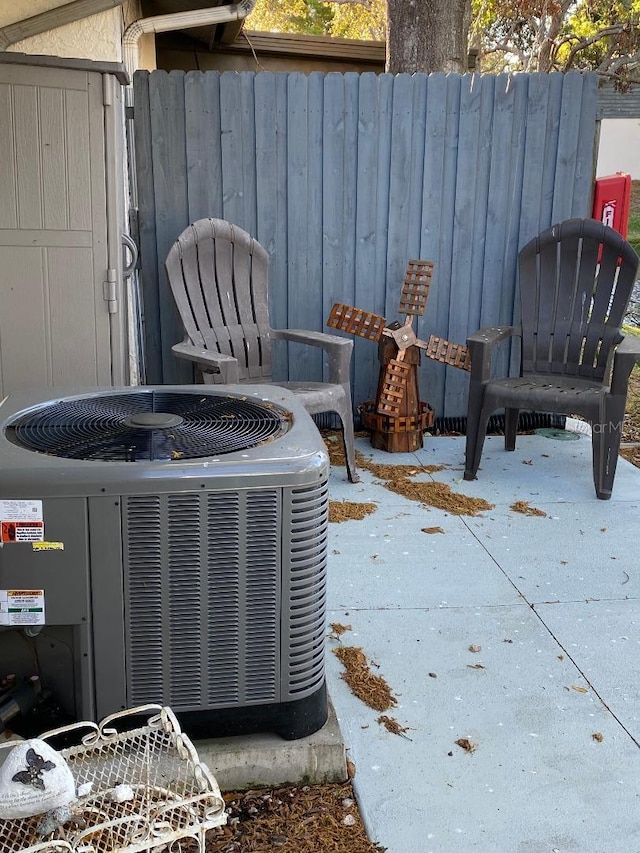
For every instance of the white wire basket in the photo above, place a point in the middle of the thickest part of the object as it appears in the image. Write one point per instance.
(173, 795)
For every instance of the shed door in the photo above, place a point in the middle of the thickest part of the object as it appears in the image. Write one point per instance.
(54, 321)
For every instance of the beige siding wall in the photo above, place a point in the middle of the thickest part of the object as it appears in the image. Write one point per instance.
(98, 37)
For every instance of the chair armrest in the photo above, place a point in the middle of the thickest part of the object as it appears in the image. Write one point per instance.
(627, 354)
(338, 349)
(209, 361)
(481, 345)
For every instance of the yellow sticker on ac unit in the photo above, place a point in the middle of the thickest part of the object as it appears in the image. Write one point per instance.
(47, 546)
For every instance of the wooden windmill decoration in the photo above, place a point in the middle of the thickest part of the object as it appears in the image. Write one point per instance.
(397, 418)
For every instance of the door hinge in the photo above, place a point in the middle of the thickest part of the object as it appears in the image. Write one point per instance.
(110, 292)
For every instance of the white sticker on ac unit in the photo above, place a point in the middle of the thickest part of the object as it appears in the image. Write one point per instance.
(21, 521)
(20, 607)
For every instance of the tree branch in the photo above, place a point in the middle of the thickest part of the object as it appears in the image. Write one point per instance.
(585, 43)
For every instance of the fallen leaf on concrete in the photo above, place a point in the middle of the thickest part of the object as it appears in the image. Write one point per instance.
(432, 530)
(432, 675)
(475, 648)
(524, 508)
(393, 726)
(579, 689)
(466, 744)
(351, 768)
(338, 630)
(598, 736)
(476, 666)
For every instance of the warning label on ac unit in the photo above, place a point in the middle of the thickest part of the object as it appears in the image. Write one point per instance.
(21, 607)
(21, 521)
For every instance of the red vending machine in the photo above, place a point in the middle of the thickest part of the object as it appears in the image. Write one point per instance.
(611, 201)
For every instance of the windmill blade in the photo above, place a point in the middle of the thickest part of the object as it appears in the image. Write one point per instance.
(415, 288)
(444, 351)
(356, 322)
(393, 387)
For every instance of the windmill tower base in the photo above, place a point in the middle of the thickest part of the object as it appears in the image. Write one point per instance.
(401, 434)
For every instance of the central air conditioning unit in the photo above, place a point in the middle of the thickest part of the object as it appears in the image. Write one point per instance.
(167, 545)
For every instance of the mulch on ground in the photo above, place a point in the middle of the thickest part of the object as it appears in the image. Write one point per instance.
(307, 819)
(396, 478)
(441, 496)
(349, 511)
(370, 688)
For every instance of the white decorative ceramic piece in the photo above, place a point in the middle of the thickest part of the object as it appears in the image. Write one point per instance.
(34, 779)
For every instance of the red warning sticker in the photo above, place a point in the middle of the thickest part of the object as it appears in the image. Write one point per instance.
(22, 531)
(21, 521)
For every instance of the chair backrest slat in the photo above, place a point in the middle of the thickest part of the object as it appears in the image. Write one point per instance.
(575, 284)
(219, 275)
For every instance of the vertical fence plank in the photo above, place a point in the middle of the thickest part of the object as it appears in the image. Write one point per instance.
(432, 375)
(203, 139)
(586, 153)
(248, 151)
(568, 138)
(551, 148)
(280, 265)
(313, 316)
(267, 180)
(468, 176)
(349, 192)
(166, 97)
(444, 258)
(232, 147)
(302, 363)
(399, 189)
(333, 179)
(367, 296)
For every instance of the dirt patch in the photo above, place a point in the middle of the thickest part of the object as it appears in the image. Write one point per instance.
(441, 496)
(349, 511)
(370, 688)
(309, 819)
(524, 508)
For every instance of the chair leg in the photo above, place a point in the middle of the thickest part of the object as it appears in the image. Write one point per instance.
(475, 442)
(510, 428)
(474, 410)
(349, 446)
(605, 444)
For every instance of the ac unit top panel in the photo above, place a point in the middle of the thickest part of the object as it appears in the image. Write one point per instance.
(228, 434)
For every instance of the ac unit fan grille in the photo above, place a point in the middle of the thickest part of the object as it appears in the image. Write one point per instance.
(147, 425)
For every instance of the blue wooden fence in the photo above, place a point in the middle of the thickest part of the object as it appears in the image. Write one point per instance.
(343, 178)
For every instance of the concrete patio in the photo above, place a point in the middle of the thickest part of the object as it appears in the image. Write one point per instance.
(554, 605)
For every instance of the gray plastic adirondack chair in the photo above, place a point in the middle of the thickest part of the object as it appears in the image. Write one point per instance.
(219, 278)
(576, 280)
